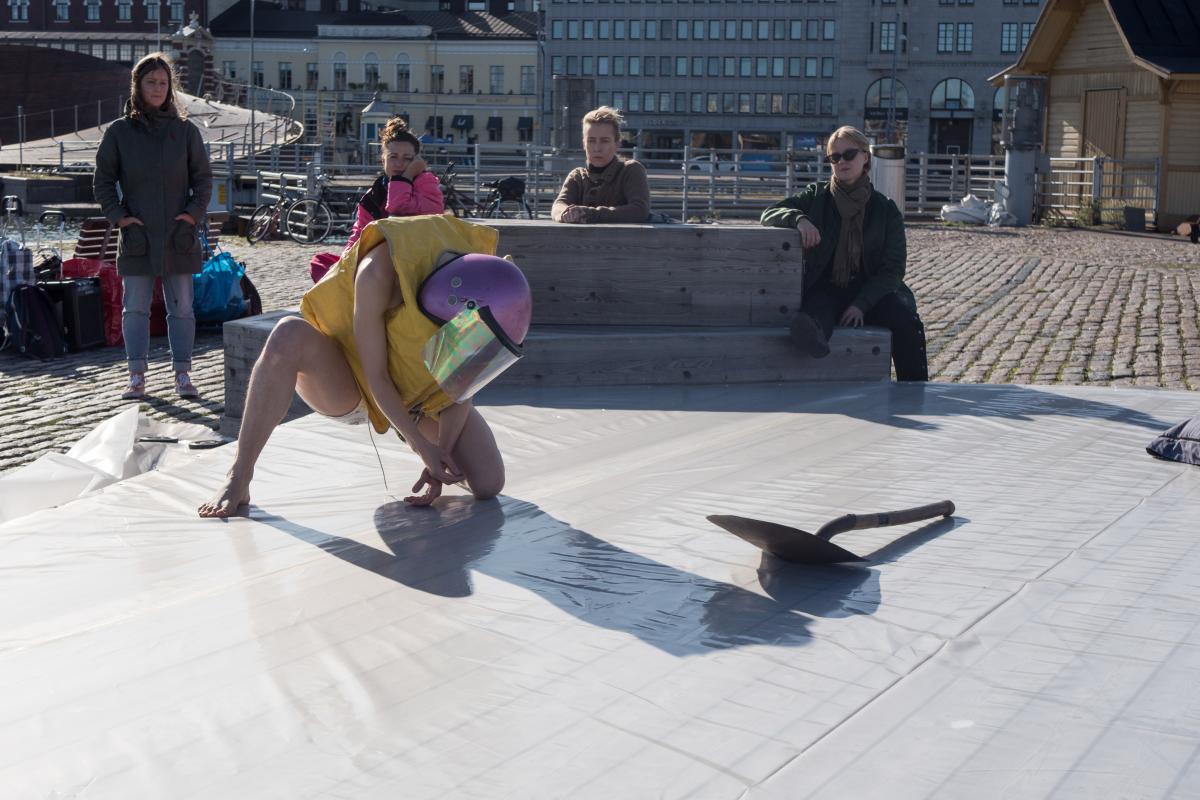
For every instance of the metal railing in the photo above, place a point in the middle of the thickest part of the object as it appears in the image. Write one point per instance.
(1093, 191)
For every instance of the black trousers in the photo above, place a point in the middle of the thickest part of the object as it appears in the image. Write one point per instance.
(826, 304)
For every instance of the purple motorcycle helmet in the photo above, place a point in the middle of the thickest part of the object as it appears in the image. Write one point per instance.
(474, 281)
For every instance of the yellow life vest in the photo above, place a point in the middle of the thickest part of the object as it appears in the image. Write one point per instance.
(415, 243)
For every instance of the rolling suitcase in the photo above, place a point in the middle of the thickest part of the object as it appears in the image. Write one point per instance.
(80, 305)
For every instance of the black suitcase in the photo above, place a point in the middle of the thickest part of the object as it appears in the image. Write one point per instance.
(81, 308)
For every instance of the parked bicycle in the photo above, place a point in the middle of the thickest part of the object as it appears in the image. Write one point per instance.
(310, 220)
(506, 198)
(305, 221)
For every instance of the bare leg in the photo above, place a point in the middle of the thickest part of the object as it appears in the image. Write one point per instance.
(297, 357)
(476, 454)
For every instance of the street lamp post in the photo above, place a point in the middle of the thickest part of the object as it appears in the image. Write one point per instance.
(250, 85)
(891, 117)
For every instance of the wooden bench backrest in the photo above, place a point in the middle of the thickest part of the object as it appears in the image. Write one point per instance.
(656, 274)
(98, 238)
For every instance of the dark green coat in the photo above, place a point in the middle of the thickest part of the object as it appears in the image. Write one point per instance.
(163, 169)
(885, 249)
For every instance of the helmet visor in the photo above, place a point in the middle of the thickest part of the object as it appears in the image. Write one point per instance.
(468, 353)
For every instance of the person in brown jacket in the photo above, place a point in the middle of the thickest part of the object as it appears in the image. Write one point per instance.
(609, 188)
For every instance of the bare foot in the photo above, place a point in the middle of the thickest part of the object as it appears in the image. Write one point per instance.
(233, 499)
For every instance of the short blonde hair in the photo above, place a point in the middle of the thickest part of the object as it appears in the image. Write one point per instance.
(854, 135)
(605, 114)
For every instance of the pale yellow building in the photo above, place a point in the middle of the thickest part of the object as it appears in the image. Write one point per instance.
(469, 77)
(1124, 83)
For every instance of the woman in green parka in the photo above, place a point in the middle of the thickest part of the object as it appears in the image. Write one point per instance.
(159, 160)
(854, 258)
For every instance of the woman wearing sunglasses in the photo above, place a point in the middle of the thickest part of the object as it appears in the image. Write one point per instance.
(854, 258)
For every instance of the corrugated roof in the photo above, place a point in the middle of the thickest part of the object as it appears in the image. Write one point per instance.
(272, 22)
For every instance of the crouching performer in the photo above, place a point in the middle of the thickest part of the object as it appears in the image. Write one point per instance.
(402, 331)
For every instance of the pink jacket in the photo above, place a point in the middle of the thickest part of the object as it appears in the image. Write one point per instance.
(405, 198)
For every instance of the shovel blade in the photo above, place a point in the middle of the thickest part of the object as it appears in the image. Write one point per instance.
(790, 544)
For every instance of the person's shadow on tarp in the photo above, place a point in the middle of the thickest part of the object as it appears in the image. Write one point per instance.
(437, 549)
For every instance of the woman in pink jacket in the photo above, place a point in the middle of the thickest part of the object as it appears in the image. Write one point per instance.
(405, 189)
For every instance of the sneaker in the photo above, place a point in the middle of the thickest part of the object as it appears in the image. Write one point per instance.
(184, 386)
(807, 335)
(137, 387)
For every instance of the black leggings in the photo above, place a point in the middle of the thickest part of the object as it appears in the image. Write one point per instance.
(826, 304)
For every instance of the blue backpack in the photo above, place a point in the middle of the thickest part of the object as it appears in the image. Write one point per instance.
(218, 294)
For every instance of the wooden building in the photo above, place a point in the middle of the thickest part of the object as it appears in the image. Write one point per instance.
(1124, 83)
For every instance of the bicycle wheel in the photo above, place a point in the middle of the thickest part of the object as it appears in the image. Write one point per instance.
(308, 221)
(260, 223)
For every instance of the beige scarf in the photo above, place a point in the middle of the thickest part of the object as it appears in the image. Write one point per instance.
(851, 200)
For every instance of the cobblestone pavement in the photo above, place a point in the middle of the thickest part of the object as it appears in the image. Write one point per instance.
(1028, 305)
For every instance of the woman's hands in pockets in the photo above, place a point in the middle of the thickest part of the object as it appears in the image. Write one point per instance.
(187, 218)
(125, 222)
(809, 235)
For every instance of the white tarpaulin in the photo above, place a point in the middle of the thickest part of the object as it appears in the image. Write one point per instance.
(590, 635)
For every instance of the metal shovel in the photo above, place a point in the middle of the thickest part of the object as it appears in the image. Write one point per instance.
(802, 547)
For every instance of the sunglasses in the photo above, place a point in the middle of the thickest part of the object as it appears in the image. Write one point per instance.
(849, 155)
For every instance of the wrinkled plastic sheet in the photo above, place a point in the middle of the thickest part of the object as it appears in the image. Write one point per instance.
(590, 635)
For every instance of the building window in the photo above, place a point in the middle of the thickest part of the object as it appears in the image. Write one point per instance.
(176, 8)
(437, 78)
(124, 10)
(1026, 32)
(572, 29)
(1008, 37)
(403, 78)
(681, 29)
(229, 69)
(793, 102)
(602, 65)
(747, 29)
(635, 29)
(18, 10)
(829, 29)
(712, 103)
(795, 67)
(152, 7)
(810, 104)
(777, 104)
(764, 29)
(797, 29)
(729, 103)
(587, 65)
(729, 66)
(604, 29)
(714, 66)
(945, 37)
(339, 75)
(651, 29)
(680, 102)
(496, 79)
(618, 29)
(697, 103)
(697, 29)
(635, 65)
(810, 67)
(812, 29)
(827, 105)
(619, 101)
(528, 80)
(697, 66)
(743, 102)
(93, 10)
(887, 37)
(556, 29)
(761, 67)
(714, 32)
(312, 76)
(371, 73)
(256, 73)
(681, 65)
(495, 129)
(556, 65)
(746, 67)
(125, 53)
(589, 29)
(966, 37)
(62, 10)
(731, 29)
(777, 67)
(466, 79)
(635, 101)
(827, 67)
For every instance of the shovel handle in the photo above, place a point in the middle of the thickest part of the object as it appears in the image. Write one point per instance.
(855, 522)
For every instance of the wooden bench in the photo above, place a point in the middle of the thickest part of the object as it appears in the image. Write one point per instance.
(642, 304)
(98, 237)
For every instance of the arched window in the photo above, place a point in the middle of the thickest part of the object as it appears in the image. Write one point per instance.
(877, 108)
(950, 96)
(371, 71)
